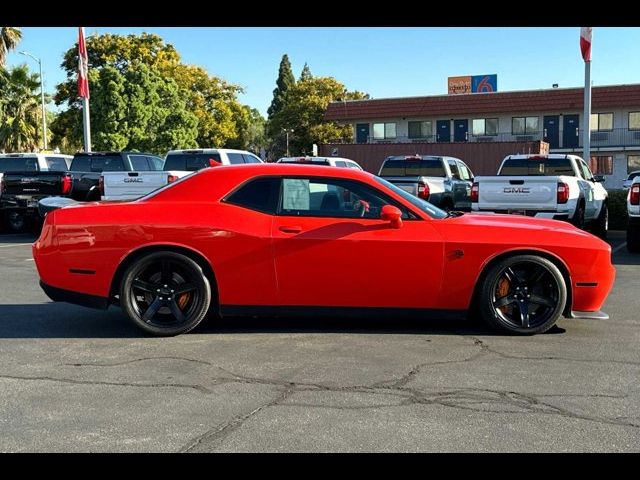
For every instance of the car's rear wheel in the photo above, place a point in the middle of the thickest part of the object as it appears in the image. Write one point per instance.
(523, 294)
(16, 221)
(165, 293)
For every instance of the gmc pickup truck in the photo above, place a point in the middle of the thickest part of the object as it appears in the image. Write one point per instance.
(633, 209)
(443, 181)
(26, 178)
(555, 186)
(87, 169)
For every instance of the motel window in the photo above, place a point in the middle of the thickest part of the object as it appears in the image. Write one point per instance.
(601, 122)
(601, 165)
(634, 121)
(420, 129)
(485, 126)
(524, 125)
(384, 130)
(633, 163)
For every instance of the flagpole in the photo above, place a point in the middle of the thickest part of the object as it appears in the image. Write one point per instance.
(587, 112)
(86, 125)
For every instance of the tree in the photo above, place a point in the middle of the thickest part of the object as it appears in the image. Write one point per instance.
(304, 111)
(143, 95)
(284, 82)
(306, 73)
(20, 113)
(9, 39)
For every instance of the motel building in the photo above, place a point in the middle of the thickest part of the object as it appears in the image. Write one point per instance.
(482, 128)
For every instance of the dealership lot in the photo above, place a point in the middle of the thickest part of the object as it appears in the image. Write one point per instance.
(74, 379)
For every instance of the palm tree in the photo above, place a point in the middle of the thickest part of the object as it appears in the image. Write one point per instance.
(19, 110)
(9, 38)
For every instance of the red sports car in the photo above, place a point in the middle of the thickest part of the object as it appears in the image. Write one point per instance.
(276, 239)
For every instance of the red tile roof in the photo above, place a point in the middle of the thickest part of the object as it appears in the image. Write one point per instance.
(550, 100)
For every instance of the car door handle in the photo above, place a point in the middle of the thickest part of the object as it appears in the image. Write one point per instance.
(293, 229)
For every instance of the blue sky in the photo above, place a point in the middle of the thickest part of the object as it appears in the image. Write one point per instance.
(384, 62)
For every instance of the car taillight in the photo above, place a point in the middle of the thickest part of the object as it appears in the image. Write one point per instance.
(563, 192)
(171, 178)
(634, 195)
(67, 183)
(214, 163)
(423, 191)
(475, 192)
(101, 185)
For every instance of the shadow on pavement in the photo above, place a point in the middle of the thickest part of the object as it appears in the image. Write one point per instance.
(16, 238)
(60, 320)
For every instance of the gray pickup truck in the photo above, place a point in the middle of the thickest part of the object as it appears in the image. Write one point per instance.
(443, 181)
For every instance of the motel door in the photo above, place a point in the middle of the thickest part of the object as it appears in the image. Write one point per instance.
(570, 132)
(461, 128)
(443, 131)
(551, 126)
(362, 132)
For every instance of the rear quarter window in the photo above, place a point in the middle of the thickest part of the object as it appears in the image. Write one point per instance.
(260, 194)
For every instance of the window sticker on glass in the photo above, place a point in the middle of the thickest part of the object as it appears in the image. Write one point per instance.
(295, 194)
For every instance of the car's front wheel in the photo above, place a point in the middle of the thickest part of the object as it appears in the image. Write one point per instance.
(523, 294)
(165, 293)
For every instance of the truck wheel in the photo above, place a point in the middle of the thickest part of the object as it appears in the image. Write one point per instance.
(578, 217)
(602, 223)
(633, 238)
(15, 221)
(523, 294)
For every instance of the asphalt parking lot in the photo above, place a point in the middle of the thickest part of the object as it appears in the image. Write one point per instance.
(74, 379)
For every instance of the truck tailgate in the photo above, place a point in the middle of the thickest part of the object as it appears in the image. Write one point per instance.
(33, 183)
(524, 192)
(130, 185)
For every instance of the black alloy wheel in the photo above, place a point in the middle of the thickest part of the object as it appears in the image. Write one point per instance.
(523, 294)
(165, 293)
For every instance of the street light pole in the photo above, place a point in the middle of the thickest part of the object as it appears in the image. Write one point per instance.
(287, 131)
(44, 118)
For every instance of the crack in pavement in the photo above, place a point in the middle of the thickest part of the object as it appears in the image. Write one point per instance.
(218, 433)
(143, 359)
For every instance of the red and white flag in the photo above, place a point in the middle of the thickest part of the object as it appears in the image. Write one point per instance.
(585, 43)
(83, 65)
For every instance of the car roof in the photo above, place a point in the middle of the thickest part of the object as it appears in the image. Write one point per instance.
(417, 155)
(99, 154)
(207, 150)
(536, 156)
(257, 169)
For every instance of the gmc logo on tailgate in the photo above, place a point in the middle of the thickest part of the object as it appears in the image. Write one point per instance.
(517, 190)
(132, 180)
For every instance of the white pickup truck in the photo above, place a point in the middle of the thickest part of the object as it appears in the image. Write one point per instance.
(633, 209)
(177, 164)
(555, 186)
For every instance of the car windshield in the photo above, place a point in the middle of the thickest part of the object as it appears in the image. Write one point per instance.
(543, 166)
(433, 167)
(423, 205)
(18, 164)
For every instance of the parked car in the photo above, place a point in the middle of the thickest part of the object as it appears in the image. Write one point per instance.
(330, 161)
(25, 178)
(278, 239)
(194, 160)
(555, 186)
(633, 209)
(87, 169)
(442, 181)
(627, 183)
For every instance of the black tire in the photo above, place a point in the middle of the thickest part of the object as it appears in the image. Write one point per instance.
(15, 220)
(578, 216)
(506, 293)
(602, 223)
(143, 291)
(633, 238)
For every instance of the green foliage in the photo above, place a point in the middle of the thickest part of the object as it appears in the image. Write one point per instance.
(144, 98)
(303, 111)
(305, 74)
(20, 112)
(9, 39)
(618, 216)
(284, 82)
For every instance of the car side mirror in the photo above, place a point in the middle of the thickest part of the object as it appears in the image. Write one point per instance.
(393, 215)
(598, 178)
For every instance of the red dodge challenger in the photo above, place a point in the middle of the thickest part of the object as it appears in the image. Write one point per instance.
(279, 239)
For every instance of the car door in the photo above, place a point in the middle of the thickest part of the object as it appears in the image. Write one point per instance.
(588, 188)
(466, 177)
(332, 249)
(458, 186)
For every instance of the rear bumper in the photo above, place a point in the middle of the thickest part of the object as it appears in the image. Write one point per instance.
(599, 315)
(61, 295)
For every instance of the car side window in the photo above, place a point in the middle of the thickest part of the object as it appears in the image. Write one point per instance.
(340, 163)
(586, 171)
(454, 169)
(322, 197)
(139, 162)
(57, 164)
(465, 173)
(155, 163)
(260, 194)
(235, 158)
(353, 165)
(250, 158)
